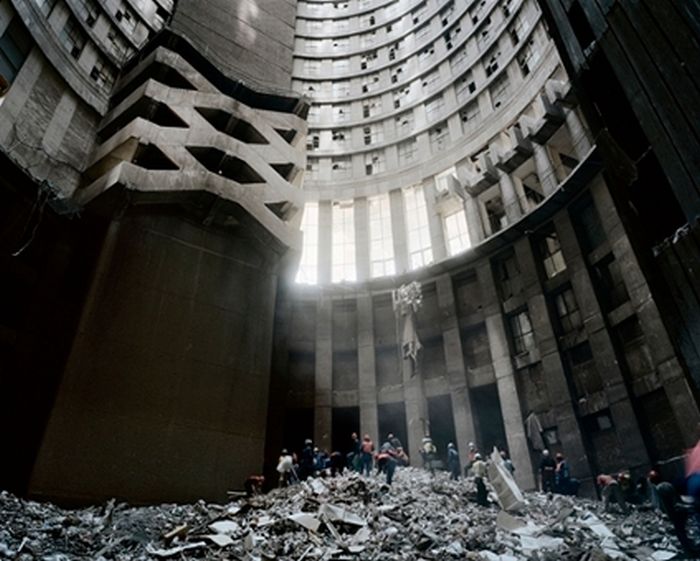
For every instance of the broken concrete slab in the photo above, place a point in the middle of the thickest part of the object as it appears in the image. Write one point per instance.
(306, 520)
(224, 527)
(338, 514)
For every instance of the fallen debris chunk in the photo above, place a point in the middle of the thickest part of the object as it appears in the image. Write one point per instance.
(508, 493)
(306, 520)
(176, 532)
(338, 514)
(175, 550)
(510, 523)
(222, 540)
(224, 527)
(663, 555)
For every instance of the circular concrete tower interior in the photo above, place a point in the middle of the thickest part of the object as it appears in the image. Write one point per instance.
(228, 227)
(446, 146)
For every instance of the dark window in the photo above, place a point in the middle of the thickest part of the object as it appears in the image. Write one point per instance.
(588, 224)
(521, 331)
(496, 214)
(567, 311)
(610, 283)
(88, 11)
(580, 25)
(506, 272)
(551, 255)
(598, 422)
(46, 6)
(15, 45)
(586, 378)
(73, 37)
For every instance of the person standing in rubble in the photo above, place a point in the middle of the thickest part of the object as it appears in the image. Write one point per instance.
(547, 470)
(285, 467)
(564, 484)
(306, 465)
(402, 458)
(453, 461)
(366, 452)
(394, 441)
(428, 452)
(253, 485)
(386, 461)
(479, 471)
(472, 451)
(668, 502)
(507, 462)
(692, 478)
(354, 458)
(337, 463)
(611, 492)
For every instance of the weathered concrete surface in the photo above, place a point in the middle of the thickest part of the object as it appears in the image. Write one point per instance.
(165, 393)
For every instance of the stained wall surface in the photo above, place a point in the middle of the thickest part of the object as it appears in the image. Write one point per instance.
(251, 40)
(165, 393)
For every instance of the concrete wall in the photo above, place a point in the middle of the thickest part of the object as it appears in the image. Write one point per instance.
(249, 40)
(592, 381)
(165, 393)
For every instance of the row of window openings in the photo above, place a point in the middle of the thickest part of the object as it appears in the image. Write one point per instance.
(416, 18)
(526, 60)
(16, 42)
(74, 37)
(406, 122)
(382, 262)
(439, 138)
(515, 32)
(369, 20)
(568, 319)
(89, 11)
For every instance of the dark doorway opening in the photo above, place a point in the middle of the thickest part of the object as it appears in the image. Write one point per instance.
(346, 420)
(488, 418)
(298, 426)
(442, 426)
(392, 419)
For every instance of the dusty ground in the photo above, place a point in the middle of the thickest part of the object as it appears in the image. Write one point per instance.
(419, 517)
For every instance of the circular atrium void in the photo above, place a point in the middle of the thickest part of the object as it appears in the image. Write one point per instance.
(434, 126)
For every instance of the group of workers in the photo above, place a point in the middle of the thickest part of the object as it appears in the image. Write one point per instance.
(680, 502)
(555, 475)
(364, 457)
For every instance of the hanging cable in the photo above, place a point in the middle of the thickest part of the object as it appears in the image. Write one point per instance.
(37, 210)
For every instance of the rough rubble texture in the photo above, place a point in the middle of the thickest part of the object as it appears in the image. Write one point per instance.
(349, 517)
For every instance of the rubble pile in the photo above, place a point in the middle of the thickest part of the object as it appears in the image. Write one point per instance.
(348, 517)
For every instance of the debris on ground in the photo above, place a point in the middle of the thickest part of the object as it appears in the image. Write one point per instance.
(350, 517)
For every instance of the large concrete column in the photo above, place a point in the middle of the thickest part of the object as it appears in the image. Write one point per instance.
(361, 218)
(560, 398)
(323, 374)
(437, 233)
(505, 379)
(165, 392)
(416, 407)
(577, 132)
(398, 230)
(471, 210)
(630, 438)
(544, 168)
(367, 379)
(325, 225)
(456, 371)
(509, 196)
(661, 348)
